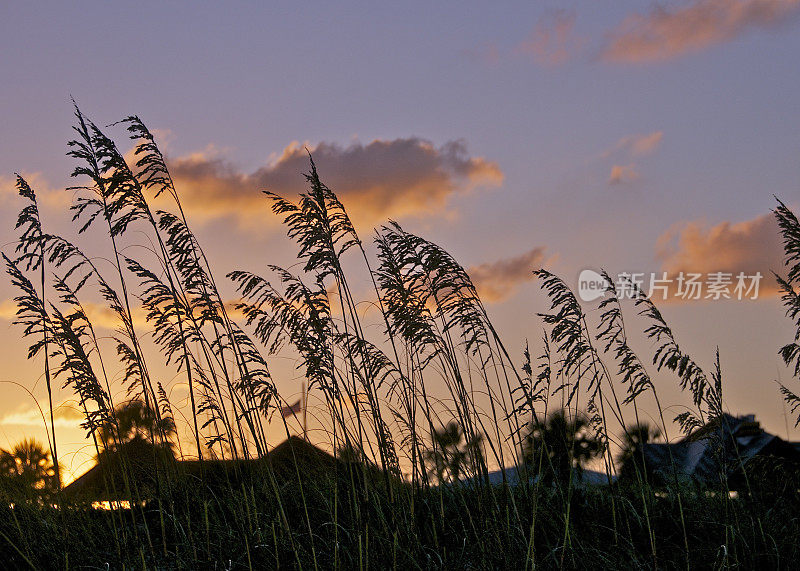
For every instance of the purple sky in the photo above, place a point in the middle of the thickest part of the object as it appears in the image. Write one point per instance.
(579, 135)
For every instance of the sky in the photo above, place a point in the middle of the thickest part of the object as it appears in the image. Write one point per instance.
(631, 136)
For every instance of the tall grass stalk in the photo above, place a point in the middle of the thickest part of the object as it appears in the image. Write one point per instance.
(426, 357)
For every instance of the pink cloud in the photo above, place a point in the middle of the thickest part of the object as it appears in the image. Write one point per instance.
(638, 145)
(553, 40)
(749, 247)
(623, 174)
(384, 178)
(497, 280)
(669, 32)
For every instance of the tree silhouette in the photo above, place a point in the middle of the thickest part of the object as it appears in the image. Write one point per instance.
(137, 449)
(558, 445)
(134, 424)
(28, 471)
(452, 455)
(630, 459)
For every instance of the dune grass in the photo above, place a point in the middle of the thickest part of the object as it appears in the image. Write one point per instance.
(426, 356)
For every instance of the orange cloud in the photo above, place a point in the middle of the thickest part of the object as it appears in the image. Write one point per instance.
(631, 146)
(65, 415)
(666, 33)
(638, 145)
(623, 174)
(8, 309)
(103, 317)
(46, 195)
(744, 247)
(553, 41)
(496, 281)
(384, 178)
(100, 315)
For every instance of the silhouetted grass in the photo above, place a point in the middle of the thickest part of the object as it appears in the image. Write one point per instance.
(396, 496)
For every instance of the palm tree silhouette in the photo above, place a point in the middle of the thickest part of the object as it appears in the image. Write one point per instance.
(556, 446)
(452, 455)
(631, 459)
(132, 424)
(27, 470)
(137, 448)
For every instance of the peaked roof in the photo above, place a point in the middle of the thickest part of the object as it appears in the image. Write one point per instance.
(727, 442)
(136, 471)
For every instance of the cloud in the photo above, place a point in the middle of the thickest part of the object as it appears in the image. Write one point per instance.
(384, 178)
(8, 309)
(623, 174)
(553, 40)
(65, 415)
(46, 195)
(497, 280)
(744, 247)
(488, 53)
(668, 32)
(630, 146)
(637, 145)
(8, 189)
(100, 315)
(103, 317)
